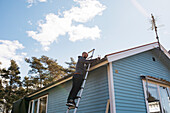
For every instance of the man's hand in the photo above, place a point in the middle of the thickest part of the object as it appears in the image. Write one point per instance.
(98, 58)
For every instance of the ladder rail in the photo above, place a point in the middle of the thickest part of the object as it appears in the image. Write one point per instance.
(81, 91)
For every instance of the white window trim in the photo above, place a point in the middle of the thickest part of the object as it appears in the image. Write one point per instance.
(37, 104)
(46, 101)
(34, 106)
(158, 87)
(30, 106)
(159, 97)
(146, 96)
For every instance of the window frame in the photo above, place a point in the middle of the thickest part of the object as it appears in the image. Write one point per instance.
(144, 82)
(38, 104)
(30, 106)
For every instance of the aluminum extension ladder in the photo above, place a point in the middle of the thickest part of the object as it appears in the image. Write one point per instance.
(82, 86)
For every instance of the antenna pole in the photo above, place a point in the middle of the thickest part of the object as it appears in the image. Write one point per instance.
(155, 27)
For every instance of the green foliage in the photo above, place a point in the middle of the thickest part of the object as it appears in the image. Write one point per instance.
(28, 84)
(52, 68)
(12, 89)
(71, 66)
(44, 70)
(2, 92)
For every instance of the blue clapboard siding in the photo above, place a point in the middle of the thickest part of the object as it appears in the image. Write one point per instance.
(129, 94)
(94, 98)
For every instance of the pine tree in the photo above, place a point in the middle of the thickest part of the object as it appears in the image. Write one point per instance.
(12, 84)
(2, 93)
(27, 82)
(44, 70)
(71, 66)
(37, 69)
(53, 70)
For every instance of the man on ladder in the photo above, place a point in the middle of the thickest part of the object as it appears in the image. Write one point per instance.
(78, 77)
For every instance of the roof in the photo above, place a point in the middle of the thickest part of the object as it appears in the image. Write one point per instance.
(132, 51)
(108, 58)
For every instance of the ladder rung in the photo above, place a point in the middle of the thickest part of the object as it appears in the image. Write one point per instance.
(72, 107)
(82, 87)
(77, 97)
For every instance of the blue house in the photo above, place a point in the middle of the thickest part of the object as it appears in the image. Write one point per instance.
(135, 80)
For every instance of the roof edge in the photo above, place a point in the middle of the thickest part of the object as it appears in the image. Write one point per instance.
(132, 51)
(165, 51)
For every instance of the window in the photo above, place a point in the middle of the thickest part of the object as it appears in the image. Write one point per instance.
(43, 105)
(38, 105)
(35, 106)
(30, 107)
(153, 99)
(164, 91)
(157, 97)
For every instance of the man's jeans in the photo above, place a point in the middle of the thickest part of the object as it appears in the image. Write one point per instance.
(77, 82)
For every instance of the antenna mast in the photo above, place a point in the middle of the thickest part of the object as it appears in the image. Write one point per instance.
(155, 27)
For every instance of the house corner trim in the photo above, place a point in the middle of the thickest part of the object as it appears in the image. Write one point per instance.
(111, 88)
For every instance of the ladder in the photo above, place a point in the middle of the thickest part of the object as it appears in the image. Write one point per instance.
(82, 86)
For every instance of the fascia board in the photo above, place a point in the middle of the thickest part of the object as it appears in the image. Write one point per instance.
(128, 53)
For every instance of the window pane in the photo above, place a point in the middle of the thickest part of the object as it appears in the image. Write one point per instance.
(165, 99)
(153, 99)
(35, 106)
(152, 93)
(43, 104)
(30, 110)
(168, 90)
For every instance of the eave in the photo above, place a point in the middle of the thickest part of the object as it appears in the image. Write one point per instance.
(136, 50)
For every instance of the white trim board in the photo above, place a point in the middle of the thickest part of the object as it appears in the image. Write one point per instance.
(145, 94)
(131, 52)
(111, 88)
(165, 51)
(98, 65)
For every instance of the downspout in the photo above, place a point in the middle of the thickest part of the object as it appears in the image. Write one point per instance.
(111, 88)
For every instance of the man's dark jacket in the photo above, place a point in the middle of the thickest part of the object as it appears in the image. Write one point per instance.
(82, 65)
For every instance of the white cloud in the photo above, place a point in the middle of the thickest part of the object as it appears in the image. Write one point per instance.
(49, 31)
(80, 32)
(42, 0)
(8, 52)
(140, 8)
(88, 9)
(31, 2)
(55, 25)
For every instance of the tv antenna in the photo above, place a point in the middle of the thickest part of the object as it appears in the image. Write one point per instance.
(154, 27)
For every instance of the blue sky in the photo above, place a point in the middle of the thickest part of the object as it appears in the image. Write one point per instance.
(65, 28)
